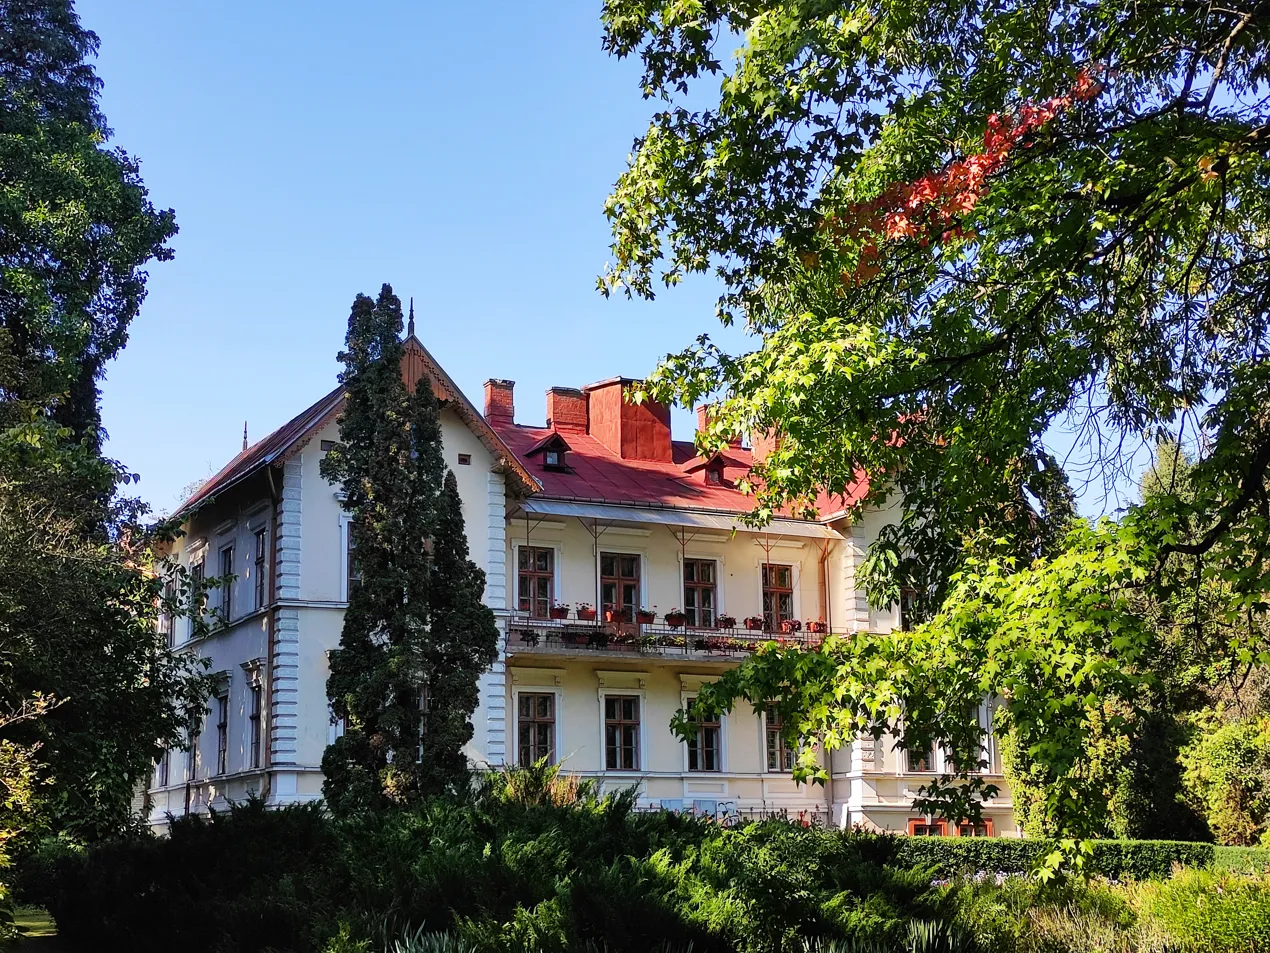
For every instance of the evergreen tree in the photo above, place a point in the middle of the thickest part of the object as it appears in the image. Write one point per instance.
(404, 676)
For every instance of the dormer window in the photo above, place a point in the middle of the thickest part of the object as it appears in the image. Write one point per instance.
(554, 451)
(713, 469)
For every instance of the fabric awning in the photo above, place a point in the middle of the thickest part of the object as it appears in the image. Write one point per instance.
(674, 517)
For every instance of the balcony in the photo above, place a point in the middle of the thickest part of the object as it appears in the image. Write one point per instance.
(585, 637)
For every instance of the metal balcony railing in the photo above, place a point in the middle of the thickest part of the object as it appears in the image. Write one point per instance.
(566, 636)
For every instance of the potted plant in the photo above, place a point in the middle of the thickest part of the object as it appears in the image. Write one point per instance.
(791, 625)
(701, 643)
(645, 616)
(674, 618)
(529, 636)
(599, 639)
(754, 623)
(585, 612)
(819, 626)
(558, 611)
(725, 622)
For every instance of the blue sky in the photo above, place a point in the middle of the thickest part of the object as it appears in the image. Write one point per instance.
(312, 151)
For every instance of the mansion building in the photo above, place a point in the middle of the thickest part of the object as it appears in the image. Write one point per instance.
(621, 578)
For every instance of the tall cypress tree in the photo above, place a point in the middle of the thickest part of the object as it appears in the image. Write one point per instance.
(402, 679)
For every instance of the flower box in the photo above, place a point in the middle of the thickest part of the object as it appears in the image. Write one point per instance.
(586, 612)
(645, 617)
(791, 625)
(726, 622)
(674, 618)
(820, 626)
(559, 612)
(754, 623)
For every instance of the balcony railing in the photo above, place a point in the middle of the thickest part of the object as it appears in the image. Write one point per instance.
(565, 636)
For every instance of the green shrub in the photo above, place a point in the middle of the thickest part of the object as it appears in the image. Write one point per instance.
(1211, 912)
(1118, 860)
(1242, 860)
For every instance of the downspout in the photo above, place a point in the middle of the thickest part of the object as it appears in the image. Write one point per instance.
(271, 618)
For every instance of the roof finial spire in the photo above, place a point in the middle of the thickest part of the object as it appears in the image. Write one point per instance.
(410, 325)
(244, 435)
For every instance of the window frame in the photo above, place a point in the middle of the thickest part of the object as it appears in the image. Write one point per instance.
(987, 828)
(686, 699)
(938, 824)
(717, 607)
(790, 754)
(222, 732)
(227, 588)
(774, 623)
(193, 761)
(197, 576)
(642, 701)
(552, 576)
(255, 723)
(639, 579)
(930, 758)
(345, 556)
(163, 769)
(260, 563)
(556, 699)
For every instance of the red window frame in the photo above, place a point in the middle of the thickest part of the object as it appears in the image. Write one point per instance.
(921, 827)
(985, 826)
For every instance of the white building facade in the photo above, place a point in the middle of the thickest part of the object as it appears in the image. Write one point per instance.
(581, 524)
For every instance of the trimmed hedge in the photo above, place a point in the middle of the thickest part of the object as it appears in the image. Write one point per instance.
(1117, 859)
(1242, 860)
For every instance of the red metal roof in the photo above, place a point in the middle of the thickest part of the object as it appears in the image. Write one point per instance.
(417, 362)
(596, 474)
(266, 451)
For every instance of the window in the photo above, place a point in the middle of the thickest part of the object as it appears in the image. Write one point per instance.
(198, 596)
(699, 592)
(254, 717)
(922, 760)
(227, 586)
(619, 584)
(222, 733)
(621, 732)
(352, 571)
(982, 829)
(536, 727)
(465, 459)
(778, 595)
(921, 827)
(262, 552)
(536, 569)
(779, 756)
(193, 763)
(908, 609)
(551, 458)
(703, 748)
(167, 618)
(163, 770)
(327, 445)
(714, 476)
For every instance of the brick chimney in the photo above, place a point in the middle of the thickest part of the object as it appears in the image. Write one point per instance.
(500, 409)
(567, 410)
(703, 424)
(632, 431)
(761, 444)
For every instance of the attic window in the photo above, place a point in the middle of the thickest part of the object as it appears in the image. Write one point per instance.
(714, 476)
(465, 459)
(554, 452)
